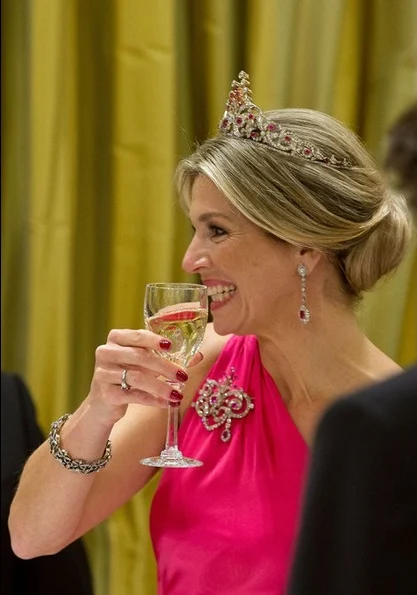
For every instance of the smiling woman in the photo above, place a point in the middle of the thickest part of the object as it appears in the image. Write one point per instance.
(337, 202)
(292, 222)
(234, 260)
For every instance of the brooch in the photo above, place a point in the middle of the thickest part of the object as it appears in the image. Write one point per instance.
(220, 402)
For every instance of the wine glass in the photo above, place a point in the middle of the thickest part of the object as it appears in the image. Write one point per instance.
(178, 312)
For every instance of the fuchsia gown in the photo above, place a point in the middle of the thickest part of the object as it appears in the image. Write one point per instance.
(229, 526)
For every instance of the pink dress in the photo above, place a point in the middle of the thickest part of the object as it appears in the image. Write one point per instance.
(229, 526)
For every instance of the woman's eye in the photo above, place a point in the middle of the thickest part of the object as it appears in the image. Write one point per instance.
(216, 231)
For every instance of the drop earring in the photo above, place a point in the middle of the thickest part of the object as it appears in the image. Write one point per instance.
(303, 313)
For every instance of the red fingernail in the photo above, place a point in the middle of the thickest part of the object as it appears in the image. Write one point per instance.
(174, 403)
(175, 395)
(165, 344)
(182, 376)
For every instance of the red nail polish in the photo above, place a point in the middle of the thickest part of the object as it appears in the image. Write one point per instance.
(182, 376)
(165, 344)
(175, 395)
(174, 403)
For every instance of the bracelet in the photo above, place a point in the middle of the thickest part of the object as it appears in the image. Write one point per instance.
(62, 456)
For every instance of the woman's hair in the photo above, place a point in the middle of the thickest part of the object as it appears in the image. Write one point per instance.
(347, 213)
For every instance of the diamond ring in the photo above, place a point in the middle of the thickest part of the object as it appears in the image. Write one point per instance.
(123, 383)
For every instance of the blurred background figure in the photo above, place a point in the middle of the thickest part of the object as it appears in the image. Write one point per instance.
(359, 529)
(67, 572)
(99, 102)
(401, 159)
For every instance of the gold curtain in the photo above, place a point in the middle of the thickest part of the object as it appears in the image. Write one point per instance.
(100, 99)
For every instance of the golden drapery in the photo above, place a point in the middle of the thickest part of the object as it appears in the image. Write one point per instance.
(100, 99)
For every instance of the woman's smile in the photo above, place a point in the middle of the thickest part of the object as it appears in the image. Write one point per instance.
(220, 293)
(247, 272)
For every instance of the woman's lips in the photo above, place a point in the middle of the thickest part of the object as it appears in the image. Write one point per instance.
(221, 296)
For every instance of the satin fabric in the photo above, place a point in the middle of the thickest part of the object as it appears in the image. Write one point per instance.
(230, 525)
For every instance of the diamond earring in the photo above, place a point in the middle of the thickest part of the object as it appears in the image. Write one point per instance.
(303, 313)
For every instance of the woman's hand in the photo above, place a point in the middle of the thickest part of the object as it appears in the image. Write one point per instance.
(40, 525)
(139, 353)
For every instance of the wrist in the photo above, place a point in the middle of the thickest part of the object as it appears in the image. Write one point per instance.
(66, 460)
(104, 415)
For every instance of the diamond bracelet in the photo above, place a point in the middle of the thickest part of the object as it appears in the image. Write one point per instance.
(63, 457)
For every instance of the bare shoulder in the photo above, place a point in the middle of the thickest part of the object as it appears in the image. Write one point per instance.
(211, 348)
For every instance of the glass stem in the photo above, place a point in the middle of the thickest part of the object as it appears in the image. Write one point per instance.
(171, 441)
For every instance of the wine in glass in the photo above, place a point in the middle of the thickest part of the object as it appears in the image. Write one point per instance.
(178, 312)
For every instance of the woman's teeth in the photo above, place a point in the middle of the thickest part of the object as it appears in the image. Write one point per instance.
(219, 293)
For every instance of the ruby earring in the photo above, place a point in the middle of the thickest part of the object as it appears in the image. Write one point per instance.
(303, 313)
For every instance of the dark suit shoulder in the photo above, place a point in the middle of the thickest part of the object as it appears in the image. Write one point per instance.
(66, 572)
(359, 528)
(374, 428)
(14, 391)
(18, 414)
(11, 383)
(392, 403)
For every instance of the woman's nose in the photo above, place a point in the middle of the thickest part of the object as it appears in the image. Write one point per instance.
(194, 259)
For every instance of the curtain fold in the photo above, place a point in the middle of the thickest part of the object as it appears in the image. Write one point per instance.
(51, 216)
(100, 100)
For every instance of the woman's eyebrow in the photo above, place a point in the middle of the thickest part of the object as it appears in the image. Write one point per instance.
(204, 217)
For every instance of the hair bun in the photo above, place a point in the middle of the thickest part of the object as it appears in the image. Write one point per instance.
(382, 249)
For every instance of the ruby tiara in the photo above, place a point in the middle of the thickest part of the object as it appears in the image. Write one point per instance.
(244, 119)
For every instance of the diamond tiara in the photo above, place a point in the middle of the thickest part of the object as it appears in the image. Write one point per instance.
(244, 119)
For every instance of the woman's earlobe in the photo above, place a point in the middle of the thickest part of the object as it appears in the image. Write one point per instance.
(310, 257)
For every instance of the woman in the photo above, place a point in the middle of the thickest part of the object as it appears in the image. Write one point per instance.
(292, 222)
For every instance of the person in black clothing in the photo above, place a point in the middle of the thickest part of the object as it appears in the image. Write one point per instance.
(64, 573)
(359, 530)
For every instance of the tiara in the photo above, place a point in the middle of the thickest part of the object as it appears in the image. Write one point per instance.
(244, 119)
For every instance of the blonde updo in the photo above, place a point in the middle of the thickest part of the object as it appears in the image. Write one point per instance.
(347, 213)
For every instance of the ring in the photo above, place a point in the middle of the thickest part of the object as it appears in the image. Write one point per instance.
(124, 384)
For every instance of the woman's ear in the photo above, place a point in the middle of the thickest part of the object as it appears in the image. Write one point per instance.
(309, 257)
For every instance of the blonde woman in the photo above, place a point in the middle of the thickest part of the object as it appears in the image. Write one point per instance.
(292, 223)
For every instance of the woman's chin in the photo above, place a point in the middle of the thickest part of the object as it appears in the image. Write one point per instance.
(227, 327)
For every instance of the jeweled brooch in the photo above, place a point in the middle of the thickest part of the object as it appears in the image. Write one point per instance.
(219, 402)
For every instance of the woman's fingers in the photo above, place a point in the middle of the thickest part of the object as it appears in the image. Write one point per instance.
(138, 338)
(141, 387)
(142, 355)
(144, 382)
(129, 369)
(117, 399)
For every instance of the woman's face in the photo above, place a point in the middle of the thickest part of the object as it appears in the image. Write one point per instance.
(251, 277)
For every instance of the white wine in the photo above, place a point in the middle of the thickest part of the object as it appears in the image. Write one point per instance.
(183, 327)
(177, 312)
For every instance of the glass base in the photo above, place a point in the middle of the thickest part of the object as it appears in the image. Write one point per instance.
(171, 457)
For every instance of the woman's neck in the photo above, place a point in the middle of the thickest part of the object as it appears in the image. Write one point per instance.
(324, 359)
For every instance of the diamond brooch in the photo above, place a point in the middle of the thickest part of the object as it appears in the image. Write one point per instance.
(219, 402)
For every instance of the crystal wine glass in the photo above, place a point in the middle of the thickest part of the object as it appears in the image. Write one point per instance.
(178, 312)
